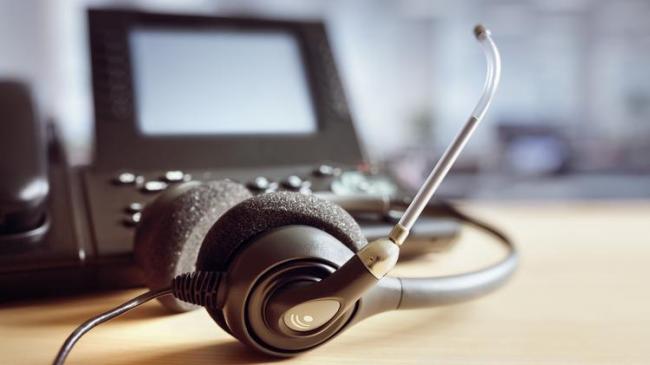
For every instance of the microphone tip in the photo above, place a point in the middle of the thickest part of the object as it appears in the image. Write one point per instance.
(481, 32)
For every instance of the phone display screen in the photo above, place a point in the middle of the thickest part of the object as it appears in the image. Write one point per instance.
(213, 82)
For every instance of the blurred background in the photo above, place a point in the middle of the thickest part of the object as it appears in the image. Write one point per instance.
(571, 119)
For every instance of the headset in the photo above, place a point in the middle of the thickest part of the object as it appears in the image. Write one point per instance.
(285, 272)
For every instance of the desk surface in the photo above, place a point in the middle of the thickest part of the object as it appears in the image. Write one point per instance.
(581, 296)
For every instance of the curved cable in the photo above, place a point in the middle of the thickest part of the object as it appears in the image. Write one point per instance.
(426, 292)
(69, 343)
(423, 196)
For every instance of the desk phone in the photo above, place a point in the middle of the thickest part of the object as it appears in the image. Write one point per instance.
(179, 98)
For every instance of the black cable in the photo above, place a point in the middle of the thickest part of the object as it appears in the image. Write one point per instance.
(425, 292)
(453, 212)
(69, 343)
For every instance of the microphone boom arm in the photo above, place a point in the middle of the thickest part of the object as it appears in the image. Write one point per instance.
(401, 230)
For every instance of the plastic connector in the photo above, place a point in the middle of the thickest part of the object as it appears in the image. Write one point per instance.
(198, 287)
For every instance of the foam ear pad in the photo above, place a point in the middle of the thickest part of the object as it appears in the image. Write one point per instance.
(171, 230)
(265, 212)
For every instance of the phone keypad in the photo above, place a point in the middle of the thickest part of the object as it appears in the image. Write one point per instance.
(117, 211)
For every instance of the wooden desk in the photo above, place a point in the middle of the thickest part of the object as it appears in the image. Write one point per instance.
(581, 296)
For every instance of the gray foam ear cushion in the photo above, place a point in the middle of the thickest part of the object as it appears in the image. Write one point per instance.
(173, 226)
(267, 211)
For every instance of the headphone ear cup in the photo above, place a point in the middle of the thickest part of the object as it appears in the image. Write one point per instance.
(265, 212)
(172, 228)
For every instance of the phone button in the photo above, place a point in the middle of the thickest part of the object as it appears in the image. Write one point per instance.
(326, 171)
(133, 219)
(292, 182)
(175, 176)
(125, 178)
(134, 207)
(154, 186)
(261, 183)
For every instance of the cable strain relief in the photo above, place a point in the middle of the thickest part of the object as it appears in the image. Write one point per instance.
(198, 287)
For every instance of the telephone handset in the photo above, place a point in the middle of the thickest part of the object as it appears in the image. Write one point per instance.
(24, 186)
(43, 234)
